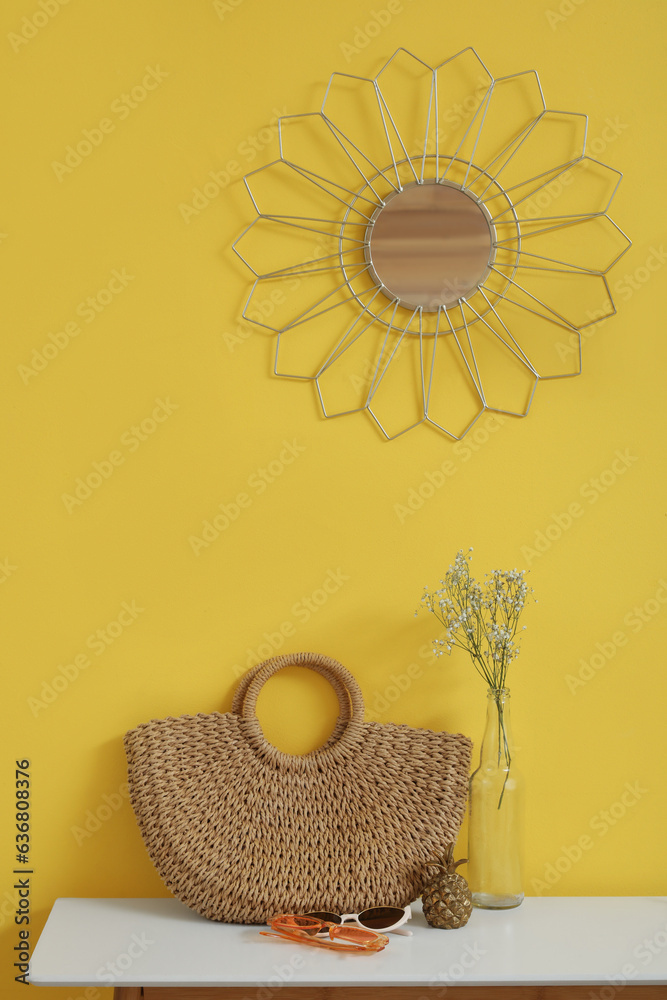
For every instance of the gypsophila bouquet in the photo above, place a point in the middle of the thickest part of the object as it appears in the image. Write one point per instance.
(483, 619)
(480, 618)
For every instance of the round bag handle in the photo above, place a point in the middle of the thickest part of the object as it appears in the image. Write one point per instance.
(344, 715)
(346, 687)
(338, 686)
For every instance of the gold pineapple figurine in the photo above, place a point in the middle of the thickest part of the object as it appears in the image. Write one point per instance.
(446, 899)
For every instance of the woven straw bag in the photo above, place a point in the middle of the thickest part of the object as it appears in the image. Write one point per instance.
(240, 831)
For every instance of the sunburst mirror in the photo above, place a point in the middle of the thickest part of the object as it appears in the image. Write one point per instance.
(430, 244)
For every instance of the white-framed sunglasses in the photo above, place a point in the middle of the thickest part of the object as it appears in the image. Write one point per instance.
(383, 919)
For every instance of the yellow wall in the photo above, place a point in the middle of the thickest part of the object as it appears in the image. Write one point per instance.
(225, 72)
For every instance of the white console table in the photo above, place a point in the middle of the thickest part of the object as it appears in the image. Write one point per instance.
(561, 948)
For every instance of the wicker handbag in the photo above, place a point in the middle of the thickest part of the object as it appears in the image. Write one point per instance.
(240, 831)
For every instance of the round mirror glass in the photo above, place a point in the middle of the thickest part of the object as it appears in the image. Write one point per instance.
(430, 244)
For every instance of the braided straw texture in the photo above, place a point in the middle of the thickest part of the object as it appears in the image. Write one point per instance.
(240, 831)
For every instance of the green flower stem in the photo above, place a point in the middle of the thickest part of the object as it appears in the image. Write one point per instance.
(508, 757)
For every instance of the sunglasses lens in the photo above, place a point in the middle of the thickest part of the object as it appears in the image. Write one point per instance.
(356, 935)
(379, 917)
(306, 924)
(333, 918)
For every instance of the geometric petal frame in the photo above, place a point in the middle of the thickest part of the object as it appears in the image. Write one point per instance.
(524, 165)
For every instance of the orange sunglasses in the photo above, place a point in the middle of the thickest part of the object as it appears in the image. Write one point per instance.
(341, 937)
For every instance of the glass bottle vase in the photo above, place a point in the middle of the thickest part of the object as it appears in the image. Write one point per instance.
(496, 803)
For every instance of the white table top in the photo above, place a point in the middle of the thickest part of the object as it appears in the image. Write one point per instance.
(590, 940)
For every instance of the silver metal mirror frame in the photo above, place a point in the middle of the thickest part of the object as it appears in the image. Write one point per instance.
(442, 313)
